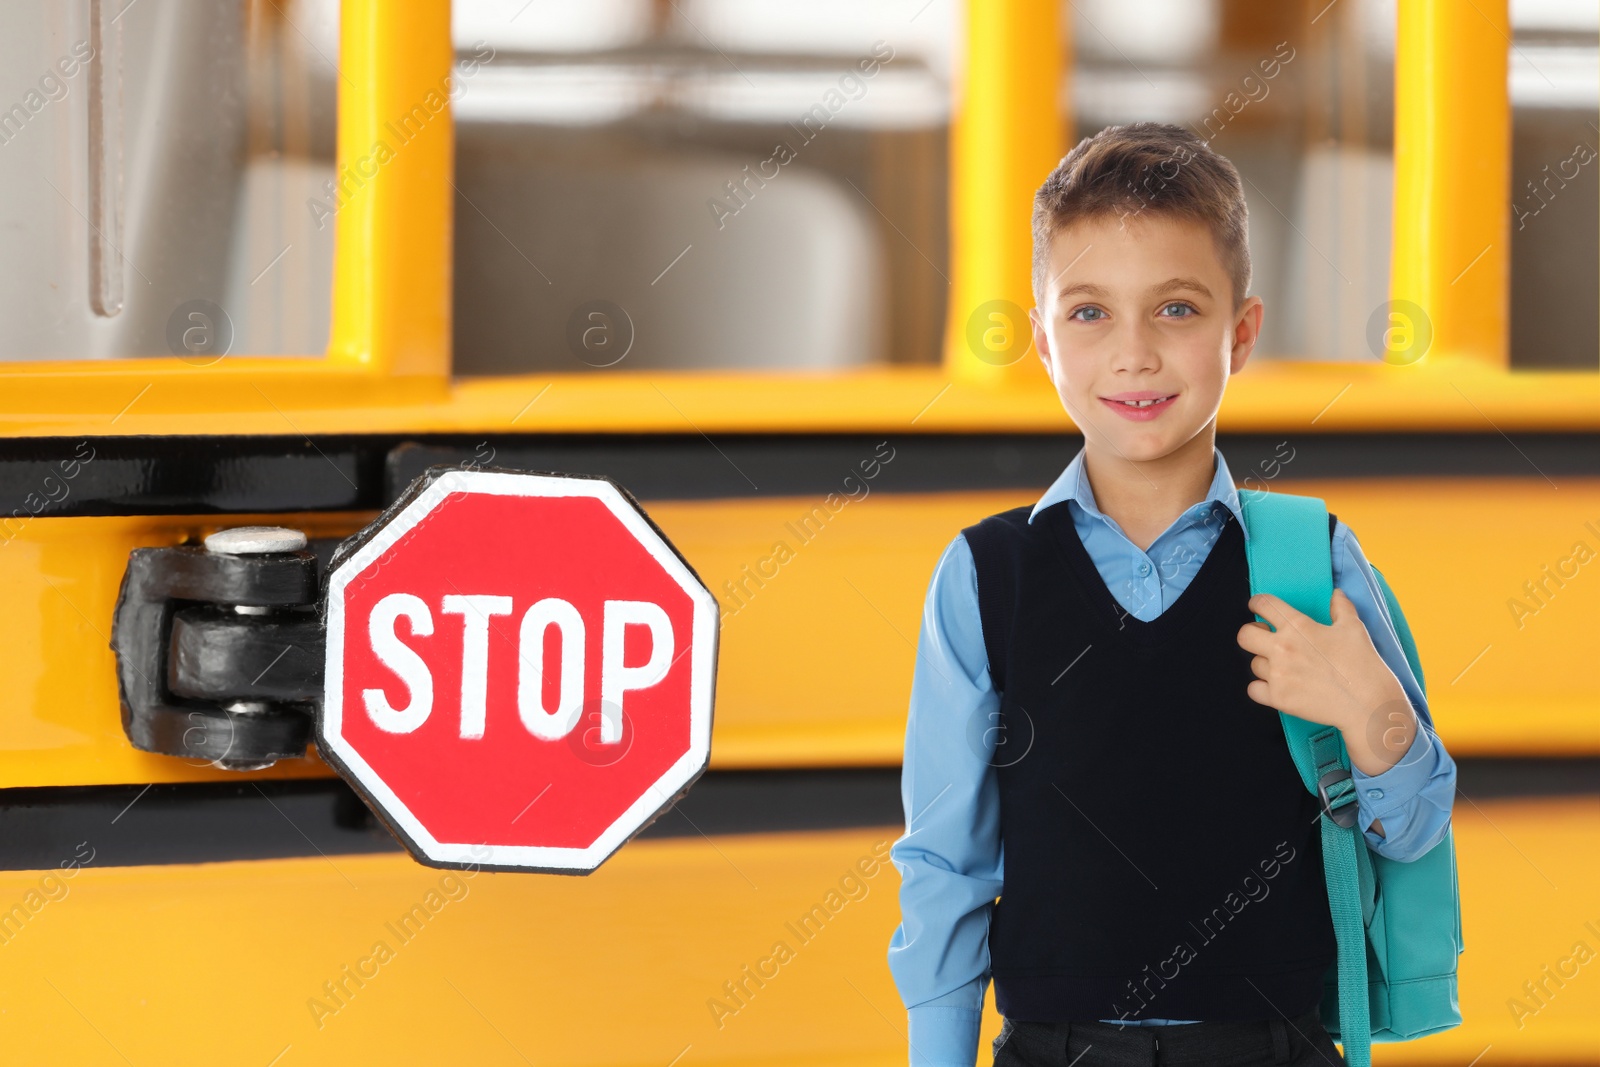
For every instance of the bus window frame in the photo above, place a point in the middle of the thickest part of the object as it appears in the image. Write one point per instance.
(387, 365)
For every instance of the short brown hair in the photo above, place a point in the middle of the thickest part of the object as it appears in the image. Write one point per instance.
(1145, 167)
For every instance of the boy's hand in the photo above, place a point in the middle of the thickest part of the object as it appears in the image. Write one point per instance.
(1331, 675)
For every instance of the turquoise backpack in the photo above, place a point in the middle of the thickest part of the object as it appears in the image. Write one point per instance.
(1398, 925)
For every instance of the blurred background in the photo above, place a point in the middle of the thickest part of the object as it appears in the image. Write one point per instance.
(600, 135)
(781, 189)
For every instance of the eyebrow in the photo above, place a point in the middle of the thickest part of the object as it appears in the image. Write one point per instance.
(1171, 285)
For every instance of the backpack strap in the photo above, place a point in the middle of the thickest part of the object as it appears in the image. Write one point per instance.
(1291, 558)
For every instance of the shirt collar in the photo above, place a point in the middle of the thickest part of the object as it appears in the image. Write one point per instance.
(1073, 485)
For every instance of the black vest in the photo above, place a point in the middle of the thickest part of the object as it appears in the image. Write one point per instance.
(1136, 886)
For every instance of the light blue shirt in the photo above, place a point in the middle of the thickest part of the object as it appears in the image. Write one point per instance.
(950, 858)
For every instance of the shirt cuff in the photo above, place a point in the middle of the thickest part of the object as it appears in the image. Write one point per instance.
(1391, 793)
(943, 1035)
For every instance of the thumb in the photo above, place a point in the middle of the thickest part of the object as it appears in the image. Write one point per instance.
(1342, 608)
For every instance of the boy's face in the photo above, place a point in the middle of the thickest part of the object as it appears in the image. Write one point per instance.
(1138, 308)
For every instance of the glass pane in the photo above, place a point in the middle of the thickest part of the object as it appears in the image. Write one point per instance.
(1555, 192)
(160, 165)
(1300, 96)
(709, 183)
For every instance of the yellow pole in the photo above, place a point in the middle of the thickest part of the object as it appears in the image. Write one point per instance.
(392, 196)
(1452, 149)
(1006, 137)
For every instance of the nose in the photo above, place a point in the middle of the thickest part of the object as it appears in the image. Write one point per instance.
(1137, 348)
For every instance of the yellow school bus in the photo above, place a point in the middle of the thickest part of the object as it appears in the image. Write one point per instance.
(792, 305)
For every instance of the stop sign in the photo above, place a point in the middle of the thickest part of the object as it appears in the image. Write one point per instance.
(520, 670)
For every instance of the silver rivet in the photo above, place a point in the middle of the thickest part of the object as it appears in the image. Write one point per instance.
(241, 765)
(255, 541)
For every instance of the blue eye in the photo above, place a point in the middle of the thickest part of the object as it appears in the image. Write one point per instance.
(1075, 314)
(1177, 304)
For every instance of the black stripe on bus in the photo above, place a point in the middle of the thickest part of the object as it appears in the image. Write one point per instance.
(44, 827)
(196, 475)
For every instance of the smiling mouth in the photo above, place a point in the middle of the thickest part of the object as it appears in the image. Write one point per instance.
(1140, 403)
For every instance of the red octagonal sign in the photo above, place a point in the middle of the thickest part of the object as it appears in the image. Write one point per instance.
(520, 670)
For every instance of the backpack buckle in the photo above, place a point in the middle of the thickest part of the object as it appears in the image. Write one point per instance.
(1340, 806)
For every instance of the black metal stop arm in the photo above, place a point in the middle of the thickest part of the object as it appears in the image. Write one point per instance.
(198, 679)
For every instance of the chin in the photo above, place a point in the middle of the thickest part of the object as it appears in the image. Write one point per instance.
(1144, 444)
(1145, 450)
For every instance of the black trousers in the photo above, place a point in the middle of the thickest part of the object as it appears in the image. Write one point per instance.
(1297, 1042)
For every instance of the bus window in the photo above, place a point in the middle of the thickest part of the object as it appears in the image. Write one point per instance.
(160, 165)
(702, 184)
(1300, 97)
(1555, 193)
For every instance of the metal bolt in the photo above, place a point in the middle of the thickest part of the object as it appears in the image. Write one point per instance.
(244, 707)
(255, 541)
(240, 765)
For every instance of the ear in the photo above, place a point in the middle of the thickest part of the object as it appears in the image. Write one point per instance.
(1246, 332)
(1041, 342)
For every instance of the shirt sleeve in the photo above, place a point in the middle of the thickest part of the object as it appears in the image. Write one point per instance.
(949, 857)
(1414, 797)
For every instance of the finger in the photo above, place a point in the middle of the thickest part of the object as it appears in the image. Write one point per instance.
(1259, 666)
(1342, 608)
(1259, 692)
(1255, 637)
(1271, 608)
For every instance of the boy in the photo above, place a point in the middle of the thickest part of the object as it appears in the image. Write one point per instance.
(1120, 750)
